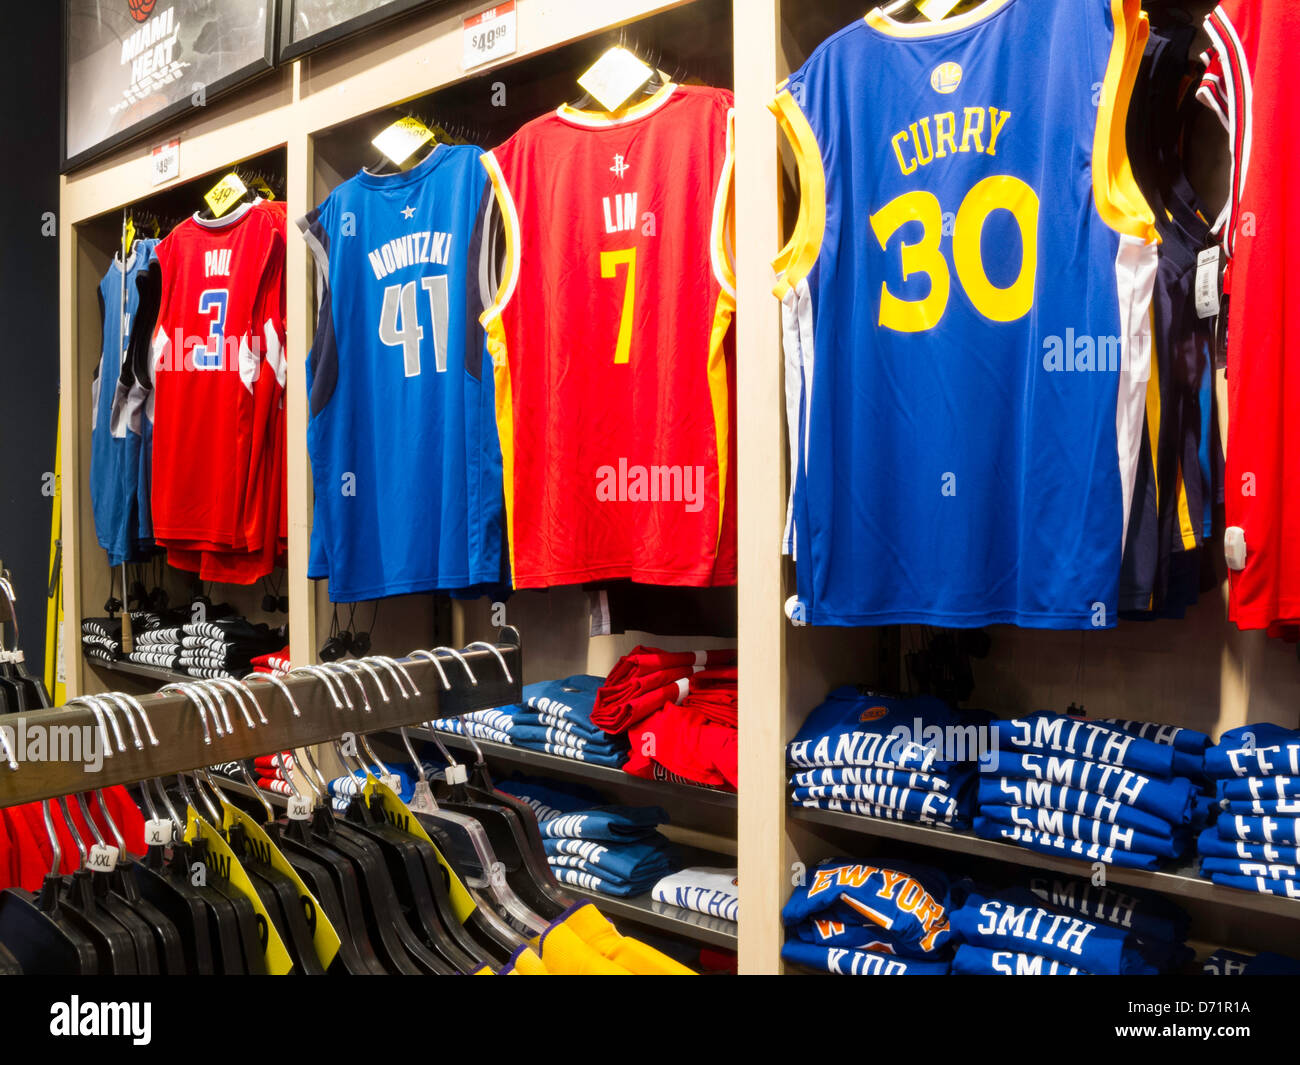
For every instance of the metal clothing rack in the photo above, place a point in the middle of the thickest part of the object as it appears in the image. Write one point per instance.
(187, 740)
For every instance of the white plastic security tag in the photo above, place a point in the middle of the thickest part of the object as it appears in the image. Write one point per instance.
(158, 832)
(1234, 547)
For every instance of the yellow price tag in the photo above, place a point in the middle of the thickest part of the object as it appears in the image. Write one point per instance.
(225, 194)
(324, 938)
(222, 861)
(935, 10)
(396, 812)
(614, 77)
(128, 237)
(400, 140)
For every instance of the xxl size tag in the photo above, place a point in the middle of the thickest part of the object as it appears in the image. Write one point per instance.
(397, 813)
(401, 140)
(1207, 283)
(262, 848)
(102, 858)
(225, 194)
(614, 77)
(223, 862)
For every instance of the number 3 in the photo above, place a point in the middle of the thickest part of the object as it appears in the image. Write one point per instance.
(1001, 192)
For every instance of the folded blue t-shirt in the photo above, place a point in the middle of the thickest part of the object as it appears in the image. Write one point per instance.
(861, 776)
(1062, 847)
(1258, 788)
(1262, 885)
(1016, 791)
(1013, 920)
(843, 962)
(540, 736)
(571, 697)
(1210, 844)
(1072, 826)
(1142, 913)
(929, 803)
(1246, 867)
(1262, 750)
(855, 729)
(618, 824)
(618, 861)
(1047, 733)
(1225, 963)
(1187, 740)
(592, 882)
(550, 796)
(529, 718)
(1274, 808)
(1170, 800)
(1259, 829)
(882, 813)
(971, 960)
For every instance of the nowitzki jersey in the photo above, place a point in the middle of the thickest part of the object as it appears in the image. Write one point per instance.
(608, 340)
(114, 441)
(405, 460)
(966, 311)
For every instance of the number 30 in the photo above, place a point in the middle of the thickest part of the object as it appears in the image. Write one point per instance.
(1002, 192)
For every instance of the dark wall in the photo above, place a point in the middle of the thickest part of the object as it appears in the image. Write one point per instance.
(29, 306)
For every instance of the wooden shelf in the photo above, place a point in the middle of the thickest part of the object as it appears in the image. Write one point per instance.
(160, 674)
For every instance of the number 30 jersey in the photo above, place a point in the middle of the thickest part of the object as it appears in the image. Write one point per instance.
(607, 338)
(966, 305)
(405, 462)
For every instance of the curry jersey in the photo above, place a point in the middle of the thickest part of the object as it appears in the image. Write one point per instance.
(402, 435)
(1248, 84)
(114, 442)
(966, 314)
(607, 337)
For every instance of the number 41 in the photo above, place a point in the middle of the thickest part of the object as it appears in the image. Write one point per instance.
(399, 323)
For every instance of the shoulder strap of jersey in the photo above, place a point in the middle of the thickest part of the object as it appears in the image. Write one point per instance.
(1119, 200)
(796, 259)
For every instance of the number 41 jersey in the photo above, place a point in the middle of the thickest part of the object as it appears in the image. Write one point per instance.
(966, 305)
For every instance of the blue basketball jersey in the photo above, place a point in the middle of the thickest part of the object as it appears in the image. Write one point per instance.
(114, 441)
(406, 464)
(966, 316)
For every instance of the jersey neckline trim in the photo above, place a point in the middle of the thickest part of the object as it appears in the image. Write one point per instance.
(603, 119)
(877, 20)
(405, 177)
(236, 216)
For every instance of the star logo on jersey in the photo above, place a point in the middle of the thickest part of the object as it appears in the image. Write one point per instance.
(620, 167)
(408, 212)
(946, 77)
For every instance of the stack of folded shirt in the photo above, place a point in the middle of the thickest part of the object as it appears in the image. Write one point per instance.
(1083, 789)
(708, 891)
(101, 638)
(692, 738)
(1012, 932)
(275, 662)
(157, 647)
(614, 850)
(1255, 844)
(225, 647)
(645, 679)
(554, 718)
(1235, 963)
(895, 759)
(866, 919)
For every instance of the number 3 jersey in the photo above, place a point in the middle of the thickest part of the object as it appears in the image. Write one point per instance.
(405, 461)
(607, 338)
(966, 313)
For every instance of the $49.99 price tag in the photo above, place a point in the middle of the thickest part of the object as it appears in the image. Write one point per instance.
(489, 35)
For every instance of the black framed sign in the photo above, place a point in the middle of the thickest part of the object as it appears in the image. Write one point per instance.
(306, 25)
(130, 65)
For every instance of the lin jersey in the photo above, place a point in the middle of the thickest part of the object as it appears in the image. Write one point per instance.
(607, 337)
(966, 301)
(402, 436)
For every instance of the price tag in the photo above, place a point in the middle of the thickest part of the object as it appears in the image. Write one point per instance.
(489, 35)
(400, 140)
(934, 10)
(157, 833)
(102, 858)
(1207, 283)
(225, 194)
(614, 77)
(166, 161)
(422, 801)
(299, 808)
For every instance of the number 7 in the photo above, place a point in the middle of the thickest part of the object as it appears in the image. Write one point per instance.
(610, 261)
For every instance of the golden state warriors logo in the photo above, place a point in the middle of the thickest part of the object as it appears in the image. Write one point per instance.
(873, 713)
(946, 77)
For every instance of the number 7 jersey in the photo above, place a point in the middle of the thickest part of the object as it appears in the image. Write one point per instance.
(607, 337)
(966, 310)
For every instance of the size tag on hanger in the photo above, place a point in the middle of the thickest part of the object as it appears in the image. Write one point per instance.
(489, 35)
(264, 849)
(1207, 283)
(102, 858)
(397, 813)
(158, 832)
(222, 862)
(422, 801)
(225, 194)
(401, 140)
(393, 781)
(935, 10)
(299, 808)
(614, 77)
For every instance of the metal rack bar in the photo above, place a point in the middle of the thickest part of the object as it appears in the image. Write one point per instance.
(60, 751)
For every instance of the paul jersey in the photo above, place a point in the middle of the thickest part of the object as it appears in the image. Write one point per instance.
(965, 304)
(405, 461)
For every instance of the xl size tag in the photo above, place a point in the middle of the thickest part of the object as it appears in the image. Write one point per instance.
(225, 194)
(614, 77)
(158, 832)
(401, 140)
(1207, 283)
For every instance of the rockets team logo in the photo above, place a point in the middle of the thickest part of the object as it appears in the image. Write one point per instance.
(141, 9)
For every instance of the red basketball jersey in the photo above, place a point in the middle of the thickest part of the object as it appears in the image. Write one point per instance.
(1250, 85)
(218, 374)
(607, 336)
